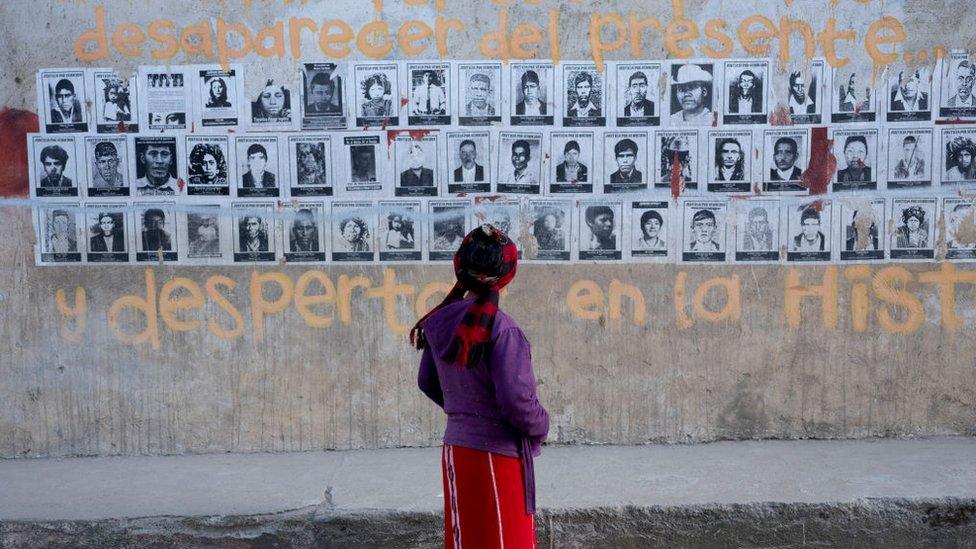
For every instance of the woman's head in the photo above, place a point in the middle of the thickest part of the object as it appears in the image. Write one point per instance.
(274, 99)
(913, 217)
(487, 258)
(376, 86)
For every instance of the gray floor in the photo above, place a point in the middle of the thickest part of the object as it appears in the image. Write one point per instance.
(409, 479)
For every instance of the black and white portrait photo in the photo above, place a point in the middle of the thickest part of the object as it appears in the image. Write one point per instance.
(704, 231)
(106, 234)
(692, 94)
(448, 222)
(303, 237)
(958, 156)
(469, 162)
(571, 162)
(58, 233)
(624, 162)
(532, 94)
(203, 232)
(600, 230)
(502, 213)
(116, 103)
(856, 151)
(649, 230)
(637, 98)
(166, 97)
(808, 231)
(519, 162)
(914, 224)
(479, 93)
(62, 94)
(53, 166)
(398, 231)
(377, 95)
(746, 85)
(803, 93)
(155, 235)
(757, 231)
(910, 95)
(415, 165)
(854, 98)
(353, 231)
(217, 96)
(584, 97)
(208, 168)
(785, 157)
(957, 94)
(257, 166)
(960, 228)
(323, 101)
(551, 229)
(430, 99)
(156, 166)
(730, 161)
(271, 106)
(108, 162)
(311, 165)
(862, 230)
(254, 241)
(361, 156)
(677, 159)
(909, 157)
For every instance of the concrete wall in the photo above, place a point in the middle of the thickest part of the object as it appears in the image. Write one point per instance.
(745, 359)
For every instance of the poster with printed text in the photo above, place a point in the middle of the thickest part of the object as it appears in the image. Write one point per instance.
(155, 232)
(808, 231)
(757, 231)
(551, 230)
(479, 93)
(107, 161)
(637, 98)
(116, 102)
(53, 166)
(571, 164)
(910, 157)
(600, 230)
(430, 102)
(311, 165)
(468, 161)
(416, 164)
(730, 161)
(862, 230)
(258, 170)
(377, 94)
(650, 230)
(533, 93)
(254, 232)
(304, 235)
(398, 235)
(208, 165)
(61, 95)
(704, 231)
(323, 96)
(106, 230)
(913, 222)
(59, 230)
(746, 97)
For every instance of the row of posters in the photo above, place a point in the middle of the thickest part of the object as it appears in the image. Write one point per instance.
(691, 230)
(398, 163)
(673, 93)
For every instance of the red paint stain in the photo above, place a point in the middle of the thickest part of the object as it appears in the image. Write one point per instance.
(489, 198)
(15, 124)
(780, 116)
(677, 182)
(121, 127)
(404, 101)
(180, 184)
(714, 119)
(952, 121)
(756, 189)
(822, 162)
(416, 135)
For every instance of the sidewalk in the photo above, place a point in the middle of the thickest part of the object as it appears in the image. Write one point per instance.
(633, 496)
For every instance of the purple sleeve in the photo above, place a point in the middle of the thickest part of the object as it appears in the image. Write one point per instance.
(511, 372)
(427, 378)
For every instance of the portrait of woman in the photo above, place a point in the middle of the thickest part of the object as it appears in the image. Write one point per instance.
(376, 90)
(354, 234)
(548, 230)
(218, 94)
(274, 102)
(913, 231)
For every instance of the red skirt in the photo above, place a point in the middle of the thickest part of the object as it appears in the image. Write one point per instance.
(484, 501)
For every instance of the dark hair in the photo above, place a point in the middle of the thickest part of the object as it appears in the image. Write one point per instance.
(624, 145)
(55, 152)
(315, 149)
(483, 253)
(223, 85)
(200, 150)
(793, 77)
(593, 211)
(747, 72)
(701, 215)
(378, 78)
(154, 212)
(788, 141)
(571, 145)
(522, 143)
(914, 211)
(64, 213)
(257, 148)
(809, 213)
(854, 139)
(467, 142)
(637, 76)
(648, 215)
(64, 84)
(909, 139)
(259, 108)
(530, 76)
(105, 148)
(583, 77)
(321, 79)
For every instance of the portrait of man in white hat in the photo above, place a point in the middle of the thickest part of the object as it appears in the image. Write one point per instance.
(691, 95)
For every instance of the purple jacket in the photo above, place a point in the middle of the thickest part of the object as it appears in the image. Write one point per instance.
(493, 406)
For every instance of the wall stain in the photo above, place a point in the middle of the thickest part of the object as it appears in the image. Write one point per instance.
(15, 124)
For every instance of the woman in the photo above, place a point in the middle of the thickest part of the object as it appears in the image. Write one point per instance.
(912, 233)
(218, 94)
(355, 234)
(274, 103)
(376, 90)
(477, 366)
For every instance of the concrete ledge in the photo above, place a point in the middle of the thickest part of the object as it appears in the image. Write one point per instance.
(875, 493)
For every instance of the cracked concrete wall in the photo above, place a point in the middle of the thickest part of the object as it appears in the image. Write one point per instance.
(352, 385)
